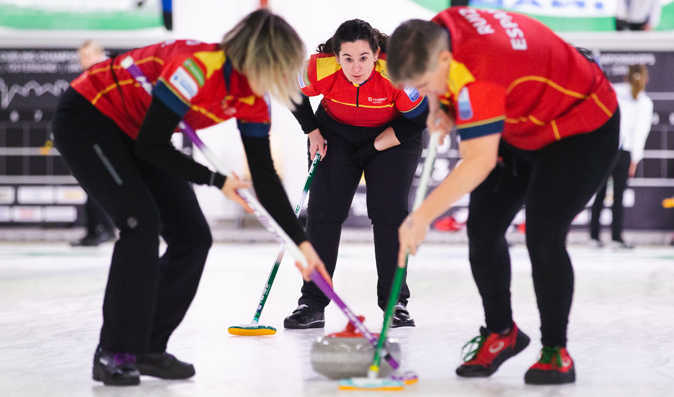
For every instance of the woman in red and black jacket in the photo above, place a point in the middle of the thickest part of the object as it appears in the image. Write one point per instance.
(370, 126)
(116, 139)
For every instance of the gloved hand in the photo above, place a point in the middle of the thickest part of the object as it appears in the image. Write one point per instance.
(364, 153)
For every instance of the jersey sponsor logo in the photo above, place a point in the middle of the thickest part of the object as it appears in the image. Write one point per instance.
(377, 100)
(412, 93)
(227, 109)
(184, 83)
(465, 107)
(194, 71)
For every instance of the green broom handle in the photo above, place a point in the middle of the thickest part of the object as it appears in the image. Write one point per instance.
(282, 250)
(400, 271)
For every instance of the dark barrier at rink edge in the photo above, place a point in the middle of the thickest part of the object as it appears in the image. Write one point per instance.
(36, 187)
(654, 179)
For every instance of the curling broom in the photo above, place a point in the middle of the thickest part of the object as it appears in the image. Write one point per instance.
(388, 384)
(254, 328)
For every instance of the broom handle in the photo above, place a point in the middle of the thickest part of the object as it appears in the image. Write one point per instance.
(267, 221)
(400, 271)
(282, 250)
(260, 212)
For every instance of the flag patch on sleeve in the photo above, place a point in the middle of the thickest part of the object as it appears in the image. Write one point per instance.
(182, 81)
(303, 77)
(194, 71)
(465, 107)
(412, 93)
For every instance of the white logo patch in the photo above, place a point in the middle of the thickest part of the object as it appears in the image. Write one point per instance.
(412, 93)
(497, 347)
(184, 83)
(465, 107)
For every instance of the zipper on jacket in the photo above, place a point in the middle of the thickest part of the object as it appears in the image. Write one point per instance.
(357, 93)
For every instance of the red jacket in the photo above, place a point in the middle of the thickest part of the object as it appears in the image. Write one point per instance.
(371, 104)
(194, 79)
(512, 74)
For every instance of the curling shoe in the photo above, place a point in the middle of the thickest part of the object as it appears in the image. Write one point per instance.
(305, 317)
(491, 351)
(554, 367)
(164, 366)
(115, 369)
(401, 317)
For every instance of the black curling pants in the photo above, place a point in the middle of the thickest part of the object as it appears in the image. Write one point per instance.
(146, 296)
(620, 173)
(388, 176)
(554, 183)
(97, 222)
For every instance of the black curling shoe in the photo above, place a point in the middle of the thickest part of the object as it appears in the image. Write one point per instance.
(115, 369)
(164, 366)
(401, 317)
(305, 317)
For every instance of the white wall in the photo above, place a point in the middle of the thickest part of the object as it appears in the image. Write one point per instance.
(315, 21)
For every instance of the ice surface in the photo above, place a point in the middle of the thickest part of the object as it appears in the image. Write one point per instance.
(621, 328)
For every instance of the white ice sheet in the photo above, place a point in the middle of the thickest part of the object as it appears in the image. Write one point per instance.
(622, 323)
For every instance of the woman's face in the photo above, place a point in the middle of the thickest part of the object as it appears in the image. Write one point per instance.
(357, 60)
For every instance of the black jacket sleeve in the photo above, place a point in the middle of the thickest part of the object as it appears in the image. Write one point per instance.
(305, 115)
(406, 129)
(154, 146)
(269, 189)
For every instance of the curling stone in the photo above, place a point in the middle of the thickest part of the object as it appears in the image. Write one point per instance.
(348, 354)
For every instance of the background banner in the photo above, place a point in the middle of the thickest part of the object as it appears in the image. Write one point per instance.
(81, 14)
(564, 15)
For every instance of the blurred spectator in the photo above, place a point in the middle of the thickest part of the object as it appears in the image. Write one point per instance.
(636, 115)
(98, 224)
(638, 14)
(91, 53)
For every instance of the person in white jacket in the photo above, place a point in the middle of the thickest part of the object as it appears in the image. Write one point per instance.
(636, 110)
(638, 14)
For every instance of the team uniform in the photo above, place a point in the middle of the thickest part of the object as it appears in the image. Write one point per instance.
(559, 123)
(350, 117)
(116, 140)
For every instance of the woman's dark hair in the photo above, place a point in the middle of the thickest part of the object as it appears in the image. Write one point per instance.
(354, 30)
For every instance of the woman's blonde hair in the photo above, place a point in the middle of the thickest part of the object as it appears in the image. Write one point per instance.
(637, 76)
(267, 50)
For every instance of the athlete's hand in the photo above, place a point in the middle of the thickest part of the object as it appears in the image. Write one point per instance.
(232, 184)
(633, 170)
(314, 261)
(411, 233)
(317, 144)
(440, 121)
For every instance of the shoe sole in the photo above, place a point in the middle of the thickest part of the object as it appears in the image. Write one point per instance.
(411, 324)
(161, 373)
(521, 343)
(540, 377)
(100, 377)
(313, 324)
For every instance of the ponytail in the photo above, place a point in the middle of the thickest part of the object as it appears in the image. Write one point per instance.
(636, 77)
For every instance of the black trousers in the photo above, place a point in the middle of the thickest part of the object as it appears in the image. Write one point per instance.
(146, 296)
(620, 173)
(388, 175)
(554, 183)
(97, 222)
